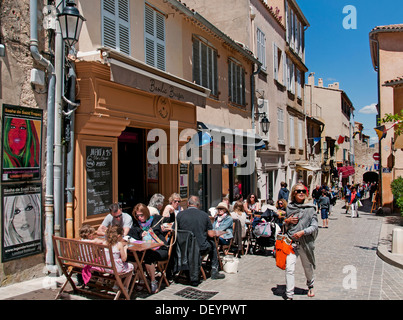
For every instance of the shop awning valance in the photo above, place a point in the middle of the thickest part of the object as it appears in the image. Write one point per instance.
(346, 172)
(249, 139)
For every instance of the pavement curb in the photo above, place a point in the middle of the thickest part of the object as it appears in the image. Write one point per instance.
(383, 250)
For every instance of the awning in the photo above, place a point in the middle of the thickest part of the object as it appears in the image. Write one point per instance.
(232, 135)
(308, 167)
(346, 172)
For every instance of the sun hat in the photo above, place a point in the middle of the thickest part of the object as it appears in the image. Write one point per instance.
(222, 205)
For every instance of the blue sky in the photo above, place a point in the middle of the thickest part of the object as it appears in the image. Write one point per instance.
(342, 55)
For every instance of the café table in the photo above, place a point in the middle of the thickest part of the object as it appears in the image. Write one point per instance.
(140, 248)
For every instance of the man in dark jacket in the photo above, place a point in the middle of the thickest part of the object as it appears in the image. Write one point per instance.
(195, 220)
(284, 192)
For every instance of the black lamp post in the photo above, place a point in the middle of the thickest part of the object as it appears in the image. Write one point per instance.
(71, 22)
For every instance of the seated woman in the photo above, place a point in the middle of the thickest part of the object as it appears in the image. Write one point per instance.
(239, 214)
(143, 223)
(223, 221)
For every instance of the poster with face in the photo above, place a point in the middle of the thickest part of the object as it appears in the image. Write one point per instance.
(22, 136)
(21, 221)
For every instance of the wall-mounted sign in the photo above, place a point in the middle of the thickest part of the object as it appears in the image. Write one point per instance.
(21, 221)
(99, 179)
(22, 136)
(184, 180)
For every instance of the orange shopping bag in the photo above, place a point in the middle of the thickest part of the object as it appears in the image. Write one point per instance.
(283, 249)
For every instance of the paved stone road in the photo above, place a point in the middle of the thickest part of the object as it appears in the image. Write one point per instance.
(347, 267)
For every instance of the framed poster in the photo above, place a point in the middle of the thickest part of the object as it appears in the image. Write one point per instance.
(21, 221)
(22, 136)
(99, 179)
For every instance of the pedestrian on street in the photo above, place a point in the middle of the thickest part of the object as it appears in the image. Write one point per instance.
(324, 205)
(353, 203)
(316, 193)
(284, 193)
(302, 227)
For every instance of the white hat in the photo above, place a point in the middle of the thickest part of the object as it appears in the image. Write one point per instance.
(222, 205)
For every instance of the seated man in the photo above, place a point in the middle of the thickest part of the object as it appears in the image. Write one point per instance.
(195, 220)
(116, 217)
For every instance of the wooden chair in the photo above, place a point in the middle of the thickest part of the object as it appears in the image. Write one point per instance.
(73, 256)
(163, 265)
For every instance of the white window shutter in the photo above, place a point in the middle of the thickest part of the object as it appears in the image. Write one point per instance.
(116, 25)
(292, 132)
(154, 34)
(275, 61)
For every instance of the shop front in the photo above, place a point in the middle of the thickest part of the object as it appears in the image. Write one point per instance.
(125, 109)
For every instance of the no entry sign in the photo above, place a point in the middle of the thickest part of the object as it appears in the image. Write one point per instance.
(376, 156)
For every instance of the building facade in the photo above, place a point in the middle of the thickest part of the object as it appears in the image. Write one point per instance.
(275, 34)
(386, 53)
(335, 108)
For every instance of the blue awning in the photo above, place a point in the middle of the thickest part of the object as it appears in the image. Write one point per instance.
(249, 139)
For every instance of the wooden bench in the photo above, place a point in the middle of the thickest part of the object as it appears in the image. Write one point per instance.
(73, 256)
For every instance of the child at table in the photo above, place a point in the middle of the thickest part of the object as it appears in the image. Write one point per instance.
(114, 237)
(87, 233)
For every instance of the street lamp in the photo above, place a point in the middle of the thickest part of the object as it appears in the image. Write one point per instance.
(264, 123)
(71, 22)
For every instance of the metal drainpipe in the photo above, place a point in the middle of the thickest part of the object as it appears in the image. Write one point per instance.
(50, 261)
(57, 165)
(70, 158)
(252, 81)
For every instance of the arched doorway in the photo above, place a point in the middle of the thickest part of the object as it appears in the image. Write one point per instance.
(370, 176)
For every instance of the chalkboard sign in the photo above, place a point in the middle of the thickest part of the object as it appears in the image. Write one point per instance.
(99, 179)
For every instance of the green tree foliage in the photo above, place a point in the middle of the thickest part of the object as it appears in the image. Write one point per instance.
(397, 191)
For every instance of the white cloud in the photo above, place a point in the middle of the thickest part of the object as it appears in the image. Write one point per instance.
(373, 140)
(371, 109)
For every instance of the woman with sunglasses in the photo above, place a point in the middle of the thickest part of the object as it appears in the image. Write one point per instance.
(301, 225)
(251, 205)
(173, 205)
(145, 226)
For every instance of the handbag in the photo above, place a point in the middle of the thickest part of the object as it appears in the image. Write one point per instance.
(262, 230)
(153, 238)
(283, 249)
(359, 203)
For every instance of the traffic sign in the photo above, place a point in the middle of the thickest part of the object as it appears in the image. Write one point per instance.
(376, 156)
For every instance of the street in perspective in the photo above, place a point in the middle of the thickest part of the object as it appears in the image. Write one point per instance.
(201, 151)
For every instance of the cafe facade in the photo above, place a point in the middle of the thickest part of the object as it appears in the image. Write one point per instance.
(135, 119)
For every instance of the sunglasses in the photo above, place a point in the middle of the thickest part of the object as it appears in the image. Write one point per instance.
(300, 191)
(140, 215)
(176, 201)
(118, 216)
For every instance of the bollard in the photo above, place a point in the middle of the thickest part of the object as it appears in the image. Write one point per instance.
(397, 241)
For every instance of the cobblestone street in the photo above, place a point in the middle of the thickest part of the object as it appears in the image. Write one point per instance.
(347, 267)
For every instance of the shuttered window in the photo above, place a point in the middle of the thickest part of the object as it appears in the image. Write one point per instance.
(116, 25)
(261, 47)
(205, 65)
(236, 82)
(154, 34)
(280, 120)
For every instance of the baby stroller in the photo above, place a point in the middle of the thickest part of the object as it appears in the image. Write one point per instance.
(265, 227)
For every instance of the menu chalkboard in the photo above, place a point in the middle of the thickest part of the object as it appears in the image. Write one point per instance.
(99, 179)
